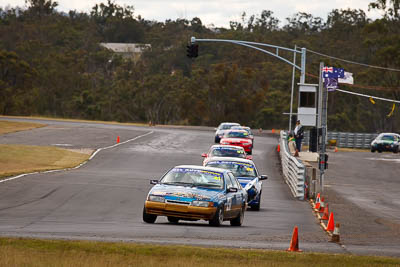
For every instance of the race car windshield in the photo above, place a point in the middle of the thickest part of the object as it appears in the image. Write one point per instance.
(226, 126)
(237, 135)
(249, 131)
(194, 177)
(228, 152)
(238, 169)
(387, 138)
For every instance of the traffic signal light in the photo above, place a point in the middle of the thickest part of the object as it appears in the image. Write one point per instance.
(323, 161)
(192, 50)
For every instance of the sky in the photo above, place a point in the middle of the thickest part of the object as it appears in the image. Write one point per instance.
(216, 12)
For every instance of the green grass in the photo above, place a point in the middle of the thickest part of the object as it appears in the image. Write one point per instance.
(76, 120)
(33, 252)
(12, 126)
(17, 159)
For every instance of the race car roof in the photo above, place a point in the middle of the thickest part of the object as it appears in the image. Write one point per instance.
(197, 167)
(241, 160)
(227, 146)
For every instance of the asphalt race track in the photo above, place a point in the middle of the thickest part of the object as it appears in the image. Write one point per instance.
(365, 198)
(103, 200)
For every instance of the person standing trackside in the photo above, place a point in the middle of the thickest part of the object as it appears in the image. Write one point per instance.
(298, 134)
(292, 146)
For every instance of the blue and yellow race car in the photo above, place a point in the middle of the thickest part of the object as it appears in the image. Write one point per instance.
(191, 193)
(246, 172)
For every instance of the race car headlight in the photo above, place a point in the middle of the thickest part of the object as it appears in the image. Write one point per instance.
(156, 198)
(246, 144)
(224, 143)
(198, 203)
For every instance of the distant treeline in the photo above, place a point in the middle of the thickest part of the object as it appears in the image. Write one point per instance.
(51, 64)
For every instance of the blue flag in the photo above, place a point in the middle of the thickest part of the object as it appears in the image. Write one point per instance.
(331, 84)
(331, 72)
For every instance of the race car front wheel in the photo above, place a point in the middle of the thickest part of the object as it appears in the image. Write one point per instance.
(173, 219)
(256, 207)
(218, 218)
(149, 218)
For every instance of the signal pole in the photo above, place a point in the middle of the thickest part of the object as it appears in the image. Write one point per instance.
(322, 119)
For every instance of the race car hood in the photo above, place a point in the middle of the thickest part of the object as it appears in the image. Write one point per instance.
(252, 185)
(244, 181)
(384, 142)
(184, 193)
(236, 140)
(222, 132)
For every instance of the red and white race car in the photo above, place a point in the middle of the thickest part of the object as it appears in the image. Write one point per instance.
(225, 151)
(238, 138)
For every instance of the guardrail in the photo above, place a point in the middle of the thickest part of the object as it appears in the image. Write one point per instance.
(345, 139)
(293, 169)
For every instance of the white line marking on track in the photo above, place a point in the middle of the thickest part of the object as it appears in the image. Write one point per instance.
(61, 145)
(80, 165)
(385, 159)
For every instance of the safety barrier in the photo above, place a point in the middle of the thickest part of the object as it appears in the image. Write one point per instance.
(293, 169)
(344, 139)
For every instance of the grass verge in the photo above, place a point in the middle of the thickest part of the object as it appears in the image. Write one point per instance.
(33, 252)
(12, 126)
(17, 159)
(76, 120)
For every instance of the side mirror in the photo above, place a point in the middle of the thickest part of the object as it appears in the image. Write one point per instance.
(204, 155)
(215, 129)
(232, 190)
(263, 177)
(249, 157)
(153, 181)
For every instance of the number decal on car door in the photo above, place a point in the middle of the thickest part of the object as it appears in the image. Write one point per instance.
(228, 203)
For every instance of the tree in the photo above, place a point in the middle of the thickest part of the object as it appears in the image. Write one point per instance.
(41, 8)
(390, 8)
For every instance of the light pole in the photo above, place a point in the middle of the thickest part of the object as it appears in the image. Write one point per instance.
(322, 122)
(302, 67)
(291, 94)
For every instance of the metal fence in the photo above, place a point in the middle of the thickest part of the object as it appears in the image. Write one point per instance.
(344, 139)
(293, 169)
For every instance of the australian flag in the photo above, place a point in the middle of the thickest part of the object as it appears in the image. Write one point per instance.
(331, 72)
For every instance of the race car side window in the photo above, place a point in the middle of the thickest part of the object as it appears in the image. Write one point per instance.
(229, 183)
(235, 181)
(232, 181)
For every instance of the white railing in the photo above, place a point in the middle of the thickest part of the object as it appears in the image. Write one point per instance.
(293, 169)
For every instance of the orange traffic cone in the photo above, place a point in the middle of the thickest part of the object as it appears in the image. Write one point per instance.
(331, 223)
(336, 234)
(294, 243)
(317, 201)
(278, 148)
(326, 213)
(336, 149)
(117, 139)
(273, 130)
(322, 206)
